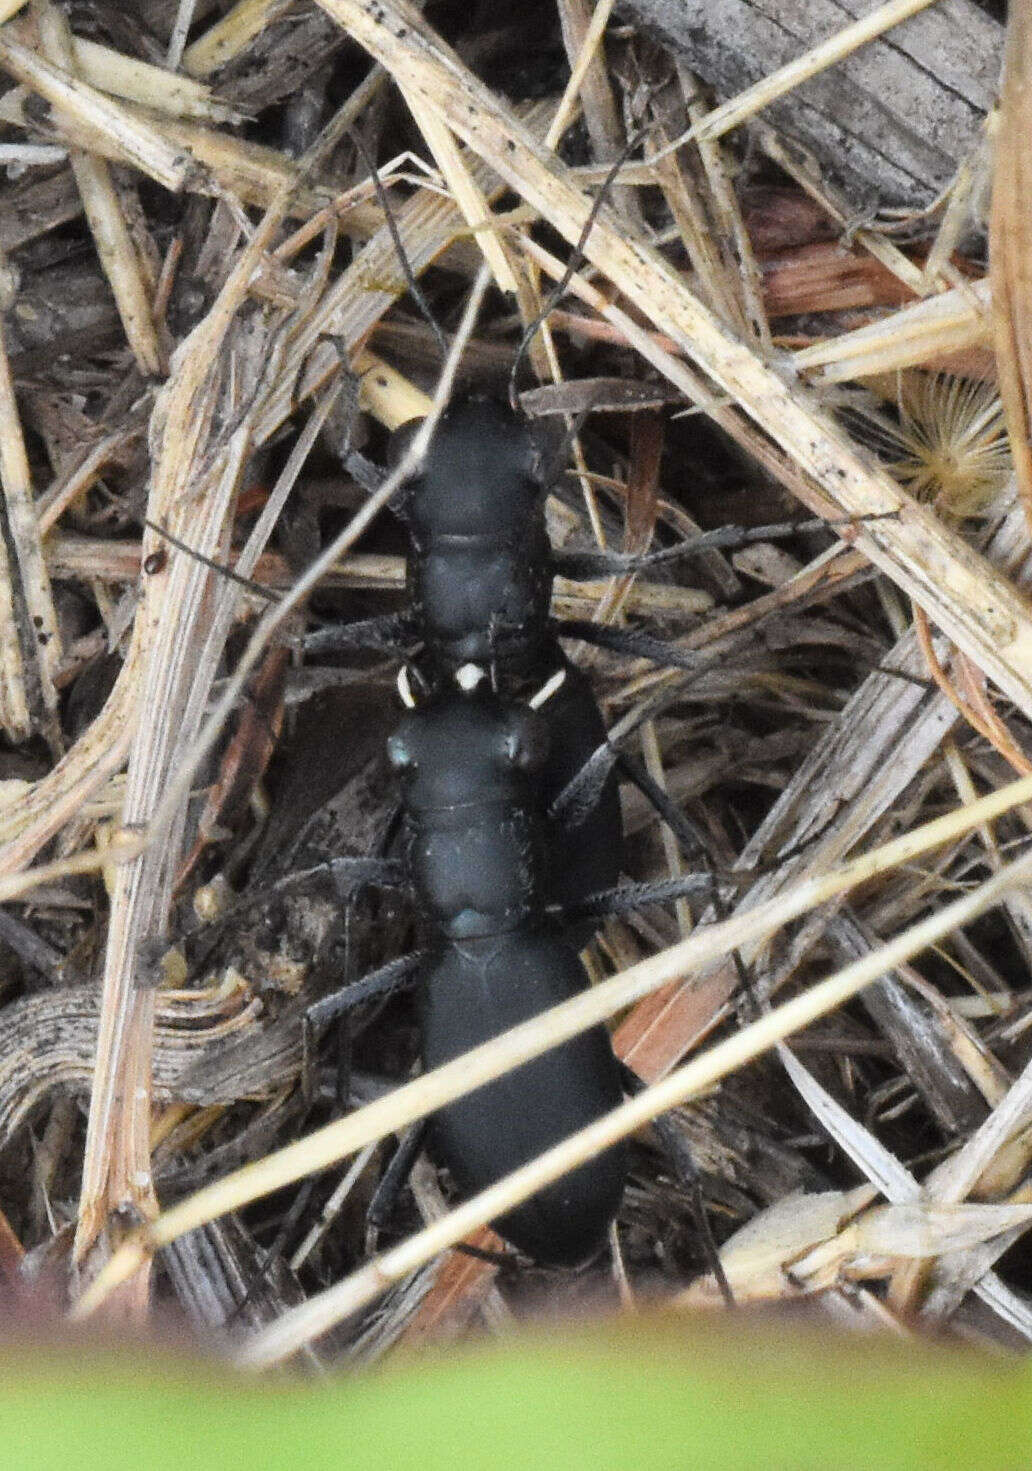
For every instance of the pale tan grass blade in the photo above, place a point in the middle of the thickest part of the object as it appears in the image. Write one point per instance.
(1010, 245)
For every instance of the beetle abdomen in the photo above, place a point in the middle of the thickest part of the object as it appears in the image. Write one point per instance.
(469, 993)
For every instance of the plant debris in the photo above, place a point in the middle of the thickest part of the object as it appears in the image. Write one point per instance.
(235, 240)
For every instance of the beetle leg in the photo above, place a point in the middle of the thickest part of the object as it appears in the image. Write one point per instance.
(580, 795)
(390, 977)
(391, 633)
(689, 837)
(686, 1172)
(625, 898)
(586, 566)
(392, 1180)
(628, 641)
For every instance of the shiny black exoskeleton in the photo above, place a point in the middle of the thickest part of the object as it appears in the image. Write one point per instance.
(480, 578)
(470, 766)
(479, 572)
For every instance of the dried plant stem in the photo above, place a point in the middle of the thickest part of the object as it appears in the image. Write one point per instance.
(180, 31)
(92, 860)
(248, 171)
(168, 634)
(884, 737)
(468, 195)
(985, 721)
(966, 597)
(115, 248)
(42, 810)
(116, 1165)
(387, 394)
(151, 86)
(76, 479)
(314, 1317)
(910, 337)
(29, 820)
(583, 29)
(30, 647)
(996, 732)
(230, 35)
(393, 404)
(128, 138)
(430, 1092)
(257, 174)
(972, 170)
(727, 215)
(1010, 246)
(589, 45)
(684, 200)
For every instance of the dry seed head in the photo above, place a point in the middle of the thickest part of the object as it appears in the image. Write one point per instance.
(950, 446)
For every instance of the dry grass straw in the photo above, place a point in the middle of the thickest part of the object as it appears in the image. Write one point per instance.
(97, 117)
(914, 335)
(228, 36)
(107, 224)
(27, 693)
(467, 193)
(320, 1313)
(150, 86)
(819, 1237)
(585, 65)
(1011, 246)
(963, 595)
(429, 1092)
(730, 227)
(879, 748)
(207, 160)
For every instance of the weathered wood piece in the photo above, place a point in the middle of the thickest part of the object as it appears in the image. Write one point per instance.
(891, 123)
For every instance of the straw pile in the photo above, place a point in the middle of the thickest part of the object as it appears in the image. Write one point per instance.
(203, 313)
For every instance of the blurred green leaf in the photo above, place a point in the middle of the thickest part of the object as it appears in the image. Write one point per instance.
(642, 1393)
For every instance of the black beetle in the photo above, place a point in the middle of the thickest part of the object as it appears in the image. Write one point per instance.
(470, 764)
(480, 585)
(493, 859)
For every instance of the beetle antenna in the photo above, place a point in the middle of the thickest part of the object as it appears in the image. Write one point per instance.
(258, 588)
(559, 289)
(411, 281)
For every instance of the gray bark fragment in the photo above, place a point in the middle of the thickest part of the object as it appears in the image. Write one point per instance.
(891, 123)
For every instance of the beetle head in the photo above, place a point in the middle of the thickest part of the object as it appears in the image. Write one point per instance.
(481, 473)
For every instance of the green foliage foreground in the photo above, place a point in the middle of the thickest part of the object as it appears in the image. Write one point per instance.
(643, 1393)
